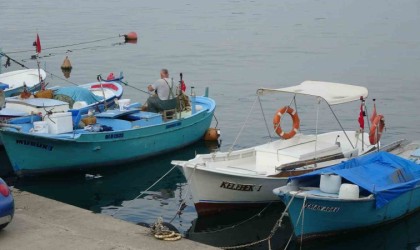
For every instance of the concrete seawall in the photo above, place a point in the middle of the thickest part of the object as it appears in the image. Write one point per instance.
(41, 223)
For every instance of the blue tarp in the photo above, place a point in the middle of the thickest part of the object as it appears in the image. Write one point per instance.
(383, 174)
(4, 86)
(78, 94)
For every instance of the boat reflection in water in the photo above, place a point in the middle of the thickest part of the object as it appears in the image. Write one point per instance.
(403, 234)
(242, 227)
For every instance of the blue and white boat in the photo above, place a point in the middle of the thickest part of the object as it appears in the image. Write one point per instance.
(98, 95)
(359, 193)
(12, 83)
(117, 136)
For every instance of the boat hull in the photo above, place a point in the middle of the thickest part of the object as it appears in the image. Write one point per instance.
(30, 153)
(214, 192)
(325, 217)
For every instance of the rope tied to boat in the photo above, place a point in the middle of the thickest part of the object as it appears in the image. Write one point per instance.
(182, 204)
(297, 221)
(276, 226)
(138, 196)
(159, 231)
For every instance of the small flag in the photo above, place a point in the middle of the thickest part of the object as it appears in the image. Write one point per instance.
(361, 117)
(37, 43)
(183, 86)
(373, 113)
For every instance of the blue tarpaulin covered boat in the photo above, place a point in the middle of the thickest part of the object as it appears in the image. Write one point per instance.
(372, 189)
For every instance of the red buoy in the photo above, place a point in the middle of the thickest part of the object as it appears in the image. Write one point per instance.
(132, 36)
(110, 76)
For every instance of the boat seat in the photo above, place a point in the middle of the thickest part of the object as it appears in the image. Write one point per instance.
(307, 151)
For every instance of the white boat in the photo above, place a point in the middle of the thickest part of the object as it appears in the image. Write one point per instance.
(12, 83)
(246, 177)
(95, 95)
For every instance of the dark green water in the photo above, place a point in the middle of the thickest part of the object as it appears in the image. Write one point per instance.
(233, 47)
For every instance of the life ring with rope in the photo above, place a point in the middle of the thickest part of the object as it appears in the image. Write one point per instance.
(375, 133)
(277, 121)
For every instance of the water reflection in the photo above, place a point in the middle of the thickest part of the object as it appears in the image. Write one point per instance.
(245, 227)
(242, 228)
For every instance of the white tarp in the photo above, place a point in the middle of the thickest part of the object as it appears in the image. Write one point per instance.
(332, 93)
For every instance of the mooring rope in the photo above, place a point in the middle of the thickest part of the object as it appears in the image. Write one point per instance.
(116, 211)
(66, 45)
(238, 224)
(186, 193)
(276, 226)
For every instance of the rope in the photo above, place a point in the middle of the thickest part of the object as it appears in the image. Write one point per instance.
(67, 45)
(242, 128)
(238, 224)
(61, 78)
(276, 226)
(8, 57)
(113, 214)
(316, 127)
(185, 196)
(265, 120)
(126, 84)
(24, 66)
(303, 219)
(341, 126)
(163, 233)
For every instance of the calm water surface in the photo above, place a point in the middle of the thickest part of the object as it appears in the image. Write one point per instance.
(232, 47)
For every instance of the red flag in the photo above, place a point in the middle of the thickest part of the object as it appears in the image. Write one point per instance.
(361, 117)
(373, 113)
(38, 44)
(183, 86)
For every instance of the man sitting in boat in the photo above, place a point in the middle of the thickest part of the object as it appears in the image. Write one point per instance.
(163, 97)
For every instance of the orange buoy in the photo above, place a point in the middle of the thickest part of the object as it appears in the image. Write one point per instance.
(132, 36)
(212, 134)
(66, 64)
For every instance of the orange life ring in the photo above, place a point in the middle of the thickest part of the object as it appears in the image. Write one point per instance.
(375, 131)
(277, 118)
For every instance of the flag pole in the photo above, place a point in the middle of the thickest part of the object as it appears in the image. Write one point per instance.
(362, 121)
(38, 51)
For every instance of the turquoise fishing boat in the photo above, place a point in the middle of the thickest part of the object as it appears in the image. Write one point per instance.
(117, 136)
(360, 193)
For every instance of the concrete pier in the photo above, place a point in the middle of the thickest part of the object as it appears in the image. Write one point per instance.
(41, 223)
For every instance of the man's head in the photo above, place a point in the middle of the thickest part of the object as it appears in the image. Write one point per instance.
(164, 73)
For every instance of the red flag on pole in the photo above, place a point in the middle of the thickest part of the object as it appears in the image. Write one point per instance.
(373, 113)
(38, 44)
(361, 117)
